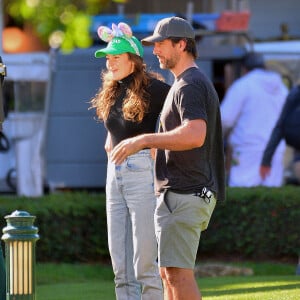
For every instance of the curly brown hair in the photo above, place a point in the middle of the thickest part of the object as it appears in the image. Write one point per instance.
(135, 104)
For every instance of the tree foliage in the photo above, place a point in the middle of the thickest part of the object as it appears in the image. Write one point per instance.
(59, 23)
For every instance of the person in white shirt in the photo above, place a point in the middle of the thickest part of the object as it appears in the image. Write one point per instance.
(249, 112)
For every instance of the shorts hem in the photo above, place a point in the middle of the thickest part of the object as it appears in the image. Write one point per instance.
(172, 265)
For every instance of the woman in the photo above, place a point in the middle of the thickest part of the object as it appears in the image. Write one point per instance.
(129, 103)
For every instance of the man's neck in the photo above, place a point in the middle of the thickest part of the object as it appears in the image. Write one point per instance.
(183, 65)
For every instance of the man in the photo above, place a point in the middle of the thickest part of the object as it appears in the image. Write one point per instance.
(3, 138)
(2, 266)
(2, 74)
(2, 277)
(287, 128)
(249, 110)
(189, 167)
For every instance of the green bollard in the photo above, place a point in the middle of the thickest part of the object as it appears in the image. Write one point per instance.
(20, 237)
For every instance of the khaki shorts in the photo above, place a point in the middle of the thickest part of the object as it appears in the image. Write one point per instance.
(179, 220)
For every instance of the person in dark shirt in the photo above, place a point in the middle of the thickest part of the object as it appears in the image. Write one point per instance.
(2, 69)
(129, 102)
(189, 168)
(2, 265)
(2, 277)
(292, 104)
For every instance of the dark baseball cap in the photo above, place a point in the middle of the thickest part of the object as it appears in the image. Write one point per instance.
(170, 27)
(253, 60)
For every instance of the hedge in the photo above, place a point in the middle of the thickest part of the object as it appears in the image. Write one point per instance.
(256, 223)
(251, 223)
(72, 226)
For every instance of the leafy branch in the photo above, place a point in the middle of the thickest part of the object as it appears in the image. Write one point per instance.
(58, 23)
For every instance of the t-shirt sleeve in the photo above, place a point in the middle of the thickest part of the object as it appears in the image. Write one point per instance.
(190, 103)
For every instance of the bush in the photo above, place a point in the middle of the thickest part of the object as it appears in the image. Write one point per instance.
(255, 223)
(72, 226)
(252, 223)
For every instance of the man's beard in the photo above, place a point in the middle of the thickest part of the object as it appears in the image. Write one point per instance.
(167, 64)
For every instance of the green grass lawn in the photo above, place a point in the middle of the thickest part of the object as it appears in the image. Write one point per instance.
(270, 281)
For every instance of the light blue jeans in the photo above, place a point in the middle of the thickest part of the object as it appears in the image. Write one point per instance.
(130, 205)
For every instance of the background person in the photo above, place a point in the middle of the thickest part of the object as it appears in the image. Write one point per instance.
(2, 276)
(189, 165)
(249, 112)
(2, 263)
(129, 103)
(292, 104)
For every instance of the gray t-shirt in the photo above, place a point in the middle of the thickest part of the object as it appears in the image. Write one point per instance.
(191, 97)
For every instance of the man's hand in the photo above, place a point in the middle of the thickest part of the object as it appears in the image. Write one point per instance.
(126, 148)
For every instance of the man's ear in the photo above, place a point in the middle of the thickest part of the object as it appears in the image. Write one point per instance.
(182, 44)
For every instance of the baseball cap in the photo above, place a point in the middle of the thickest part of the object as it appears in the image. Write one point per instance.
(253, 60)
(120, 40)
(120, 45)
(170, 27)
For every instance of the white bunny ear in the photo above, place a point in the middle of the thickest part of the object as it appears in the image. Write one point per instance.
(116, 31)
(105, 33)
(125, 29)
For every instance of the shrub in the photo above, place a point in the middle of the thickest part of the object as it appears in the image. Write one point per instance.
(252, 223)
(255, 223)
(72, 226)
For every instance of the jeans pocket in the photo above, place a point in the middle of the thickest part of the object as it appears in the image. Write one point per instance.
(139, 163)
